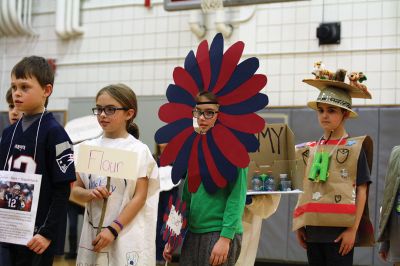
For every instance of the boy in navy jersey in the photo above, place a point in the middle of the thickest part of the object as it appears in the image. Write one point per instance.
(37, 144)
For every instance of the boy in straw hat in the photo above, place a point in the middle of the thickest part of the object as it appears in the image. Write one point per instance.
(331, 215)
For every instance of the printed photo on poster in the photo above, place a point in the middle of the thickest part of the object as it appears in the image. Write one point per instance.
(19, 196)
(16, 196)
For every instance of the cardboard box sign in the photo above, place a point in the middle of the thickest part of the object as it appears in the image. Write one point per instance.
(277, 154)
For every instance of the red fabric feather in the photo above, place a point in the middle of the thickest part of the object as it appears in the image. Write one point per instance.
(245, 91)
(216, 176)
(249, 123)
(203, 59)
(171, 151)
(194, 177)
(184, 80)
(229, 63)
(171, 112)
(230, 146)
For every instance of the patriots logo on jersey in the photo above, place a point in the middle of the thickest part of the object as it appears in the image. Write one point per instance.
(65, 161)
(20, 147)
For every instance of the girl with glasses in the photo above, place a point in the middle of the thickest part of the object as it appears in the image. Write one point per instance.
(205, 112)
(215, 220)
(127, 236)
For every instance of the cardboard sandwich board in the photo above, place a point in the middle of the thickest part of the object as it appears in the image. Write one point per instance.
(276, 153)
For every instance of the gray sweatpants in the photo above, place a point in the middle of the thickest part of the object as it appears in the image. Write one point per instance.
(197, 248)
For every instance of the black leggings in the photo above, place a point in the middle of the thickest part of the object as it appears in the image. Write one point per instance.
(327, 254)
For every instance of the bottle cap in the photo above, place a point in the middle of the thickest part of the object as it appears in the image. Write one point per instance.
(283, 176)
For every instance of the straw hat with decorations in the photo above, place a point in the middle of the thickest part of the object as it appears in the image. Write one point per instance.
(335, 91)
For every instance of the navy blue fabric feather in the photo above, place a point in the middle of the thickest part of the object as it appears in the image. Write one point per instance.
(192, 67)
(167, 132)
(180, 165)
(226, 168)
(216, 54)
(176, 94)
(242, 73)
(207, 181)
(255, 103)
(248, 140)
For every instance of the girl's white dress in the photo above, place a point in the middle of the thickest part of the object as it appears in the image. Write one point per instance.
(135, 244)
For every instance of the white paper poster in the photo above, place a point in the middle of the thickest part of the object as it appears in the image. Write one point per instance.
(107, 162)
(19, 196)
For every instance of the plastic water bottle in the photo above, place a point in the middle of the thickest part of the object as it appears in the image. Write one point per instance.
(264, 181)
(256, 182)
(269, 184)
(285, 183)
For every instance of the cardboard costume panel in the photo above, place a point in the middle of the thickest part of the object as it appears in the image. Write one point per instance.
(276, 153)
(332, 202)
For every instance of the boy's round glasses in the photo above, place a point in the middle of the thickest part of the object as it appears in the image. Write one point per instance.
(208, 114)
(108, 110)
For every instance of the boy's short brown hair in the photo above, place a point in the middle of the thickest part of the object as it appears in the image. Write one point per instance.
(34, 66)
(9, 97)
(208, 95)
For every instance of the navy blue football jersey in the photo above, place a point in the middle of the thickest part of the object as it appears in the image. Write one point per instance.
(53, 160)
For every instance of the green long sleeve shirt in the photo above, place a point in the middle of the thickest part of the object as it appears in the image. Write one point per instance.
(221, 211)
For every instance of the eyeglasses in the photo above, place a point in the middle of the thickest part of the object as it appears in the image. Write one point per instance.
(108, 110)
(208, 114)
